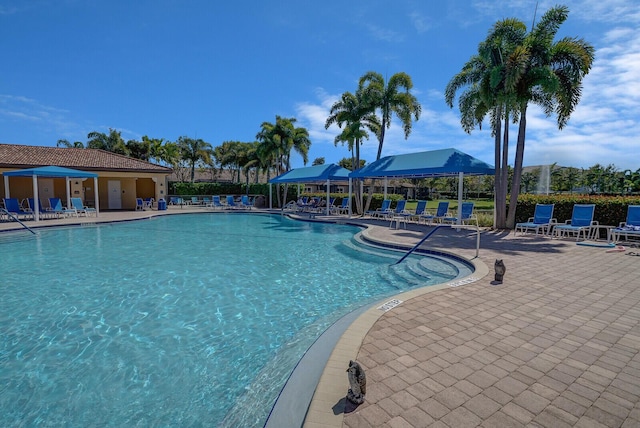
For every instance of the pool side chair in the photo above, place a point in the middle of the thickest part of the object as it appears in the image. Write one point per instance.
(381, 212)
(542, 220)
(56, 208)
(13, 207)
(343, 208)
(421, 208)
(441, 213)
(466, 215)
(231, 203)
(139, 204)
(81, 208)
(399, 210)
(216, 203)
(148, 203)
(41, 211)
(630, 227)
(245, 202)
(581, 223)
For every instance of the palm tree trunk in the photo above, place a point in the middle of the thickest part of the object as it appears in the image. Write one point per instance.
(500, 196)
(517, 169)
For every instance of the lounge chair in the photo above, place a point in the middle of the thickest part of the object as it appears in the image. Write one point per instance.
(542, 220)
(55, 207)
(139, 204)
(206, 201)
(148, 203)
(343, 207)
(215, 202)
(466, 215)
(195, 201)
(231, 203)
(630, 227)
(398, 215)
(383, 211)
(440, 214)
(246, 202)
(81, 208)
(13, 207)
(420, 210)
(581, 222)
(32, 208)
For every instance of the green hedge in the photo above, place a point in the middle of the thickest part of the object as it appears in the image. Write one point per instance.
(610, 210)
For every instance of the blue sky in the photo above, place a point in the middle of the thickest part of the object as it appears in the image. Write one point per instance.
(217, 70)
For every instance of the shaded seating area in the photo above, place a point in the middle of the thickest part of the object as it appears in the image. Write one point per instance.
(542, 220)
(630, 228)
(581, 223)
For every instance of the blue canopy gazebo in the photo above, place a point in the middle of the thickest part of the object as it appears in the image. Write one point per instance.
(313, 174)
(433, 163)
(50, 172)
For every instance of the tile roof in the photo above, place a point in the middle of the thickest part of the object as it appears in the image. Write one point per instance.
(20, 156)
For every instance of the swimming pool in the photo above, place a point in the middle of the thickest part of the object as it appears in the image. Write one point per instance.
(171, 321)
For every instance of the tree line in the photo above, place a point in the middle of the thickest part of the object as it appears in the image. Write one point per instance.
(512, 69)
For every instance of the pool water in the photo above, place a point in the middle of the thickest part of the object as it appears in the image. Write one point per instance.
(173, 321)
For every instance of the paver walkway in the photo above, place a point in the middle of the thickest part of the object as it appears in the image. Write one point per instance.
(555, 345)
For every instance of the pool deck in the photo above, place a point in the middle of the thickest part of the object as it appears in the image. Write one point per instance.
(556, 344)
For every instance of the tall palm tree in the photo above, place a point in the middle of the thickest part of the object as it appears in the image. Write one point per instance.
(278, 140)
(193, 151)
(549, 74)
(392, 97)
(352, 112)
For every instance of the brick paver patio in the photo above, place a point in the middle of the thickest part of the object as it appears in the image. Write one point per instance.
(555, 345)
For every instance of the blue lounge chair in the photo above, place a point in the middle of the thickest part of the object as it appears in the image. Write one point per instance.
(148, 203)
(246, 202)
(81, 208)
(383, 211)
(630, 227)
(466, 215)
(343, 207)
(13, 207)
(55, 207)
(32, 208)
(231, 203)
(581, 222)
(542, 220)
(139, 204)
(215, 202)
(421, 208)
(439, 215)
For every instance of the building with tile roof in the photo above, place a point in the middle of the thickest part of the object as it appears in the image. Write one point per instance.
(121, 179)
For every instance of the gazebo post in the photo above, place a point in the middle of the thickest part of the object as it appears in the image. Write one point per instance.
(350, 194)
(36, 199)
(6, 187)
(68, 185)
(95, 187)
(328, 195)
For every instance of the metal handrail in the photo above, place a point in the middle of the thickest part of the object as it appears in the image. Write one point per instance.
(415, 247)
(16, 219)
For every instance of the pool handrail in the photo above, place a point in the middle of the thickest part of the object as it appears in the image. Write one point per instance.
(10, 215)
(415, 247)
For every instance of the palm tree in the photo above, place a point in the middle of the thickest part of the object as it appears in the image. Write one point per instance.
(484, 77)
(278, 140)
(67, 144)
(549, 75)
(394, 97)
(356, 115)
(111, 143)
(193, 151)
